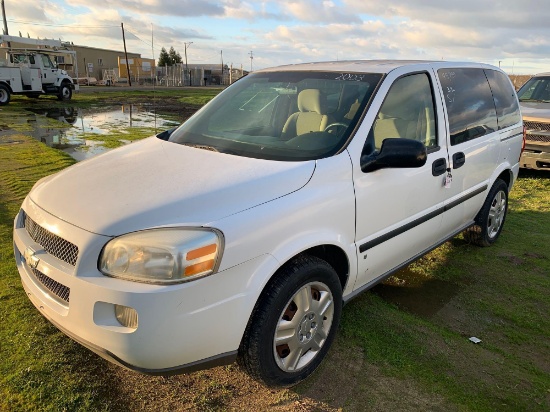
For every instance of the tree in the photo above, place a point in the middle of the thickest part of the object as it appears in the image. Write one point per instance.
(169, 58)
(164, 58)
(174, 56)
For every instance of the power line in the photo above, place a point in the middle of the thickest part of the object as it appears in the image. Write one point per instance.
(140, 39)
(58, 25)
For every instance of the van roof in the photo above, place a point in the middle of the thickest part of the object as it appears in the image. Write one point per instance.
(368, 66)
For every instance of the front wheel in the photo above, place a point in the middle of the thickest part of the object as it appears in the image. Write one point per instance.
(490, 219)
(4, 94)
(65, 92)
(293, 323)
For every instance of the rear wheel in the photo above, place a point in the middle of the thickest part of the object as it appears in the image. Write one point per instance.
(293, 323)
(490, 219)
(65, 92)
(4, 94)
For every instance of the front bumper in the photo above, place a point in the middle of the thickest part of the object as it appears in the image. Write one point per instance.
(181, 327)
(536, 156)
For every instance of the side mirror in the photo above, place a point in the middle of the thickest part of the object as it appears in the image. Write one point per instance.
(396, 153)
(166, 134)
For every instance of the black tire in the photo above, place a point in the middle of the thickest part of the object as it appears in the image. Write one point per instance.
(5, 94)
(287, 307)
(65, 92)
(490, 219)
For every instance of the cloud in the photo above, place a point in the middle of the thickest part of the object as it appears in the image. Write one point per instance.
(182, 8)
(288, 31)
(249, 10)
(314, 11)
(29, 10)
(507, 14)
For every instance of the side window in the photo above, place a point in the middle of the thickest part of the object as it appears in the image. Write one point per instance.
(505, 99)
(407, 112)
(46, 61)
(469, 102)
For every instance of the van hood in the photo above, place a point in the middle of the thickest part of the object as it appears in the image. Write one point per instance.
(155, 183)
(535, 111)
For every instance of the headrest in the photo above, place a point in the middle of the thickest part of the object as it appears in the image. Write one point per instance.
(309, 100)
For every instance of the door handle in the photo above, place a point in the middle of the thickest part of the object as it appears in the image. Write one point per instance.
(459, 159)
(439, 167)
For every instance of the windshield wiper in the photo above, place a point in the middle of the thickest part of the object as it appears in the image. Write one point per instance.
(534, 100)
(201, 146)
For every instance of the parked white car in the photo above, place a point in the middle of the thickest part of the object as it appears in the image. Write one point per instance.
(243, 232)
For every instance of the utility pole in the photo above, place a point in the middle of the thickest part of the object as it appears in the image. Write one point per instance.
(154, 68)
(126, 54)
(186, 45)
(251, 57)
(221, 55)
(5, 23)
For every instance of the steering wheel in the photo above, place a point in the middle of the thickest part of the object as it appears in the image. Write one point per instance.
(335, 125)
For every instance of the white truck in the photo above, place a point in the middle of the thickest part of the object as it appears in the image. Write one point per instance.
(32, 71)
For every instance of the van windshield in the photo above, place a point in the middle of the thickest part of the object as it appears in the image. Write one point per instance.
(537, 89)
(287, 116)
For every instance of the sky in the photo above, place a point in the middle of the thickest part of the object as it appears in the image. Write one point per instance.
(510, 33)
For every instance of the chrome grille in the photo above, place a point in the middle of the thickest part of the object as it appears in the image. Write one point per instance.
(537, 138)
(53, 244)
(59, 290)
(536, 125)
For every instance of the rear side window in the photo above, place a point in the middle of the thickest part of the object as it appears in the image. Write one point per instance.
(469, 102)
(505, 99)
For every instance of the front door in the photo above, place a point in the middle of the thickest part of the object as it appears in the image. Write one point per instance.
(49, 71)
(399, 211)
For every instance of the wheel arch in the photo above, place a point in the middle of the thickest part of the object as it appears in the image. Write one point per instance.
(507, 176)
(334, 255)
(7, 84)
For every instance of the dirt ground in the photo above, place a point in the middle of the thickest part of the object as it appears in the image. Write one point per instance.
(347, 379)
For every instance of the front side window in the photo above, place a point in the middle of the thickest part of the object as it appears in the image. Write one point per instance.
(469, 102)
(407, 112)
(288, 116)
(46, 62)
(537, 89)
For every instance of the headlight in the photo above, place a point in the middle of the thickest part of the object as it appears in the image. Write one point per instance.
(162, 256)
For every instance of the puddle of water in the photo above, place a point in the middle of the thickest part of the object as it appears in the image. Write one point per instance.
(84, 133)
(416, 294)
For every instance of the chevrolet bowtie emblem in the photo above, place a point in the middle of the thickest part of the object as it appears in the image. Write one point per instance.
(31, 258)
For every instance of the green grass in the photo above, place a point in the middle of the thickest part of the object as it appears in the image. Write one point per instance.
(118, 136)
(499, 294)
(118, 95)
(39, 368)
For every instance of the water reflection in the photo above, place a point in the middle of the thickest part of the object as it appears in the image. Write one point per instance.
(70, 129)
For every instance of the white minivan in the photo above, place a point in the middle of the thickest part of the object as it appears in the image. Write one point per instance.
(241, 234)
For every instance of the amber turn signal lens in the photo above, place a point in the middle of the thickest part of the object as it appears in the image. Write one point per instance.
(199, 268)
(201, 252)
